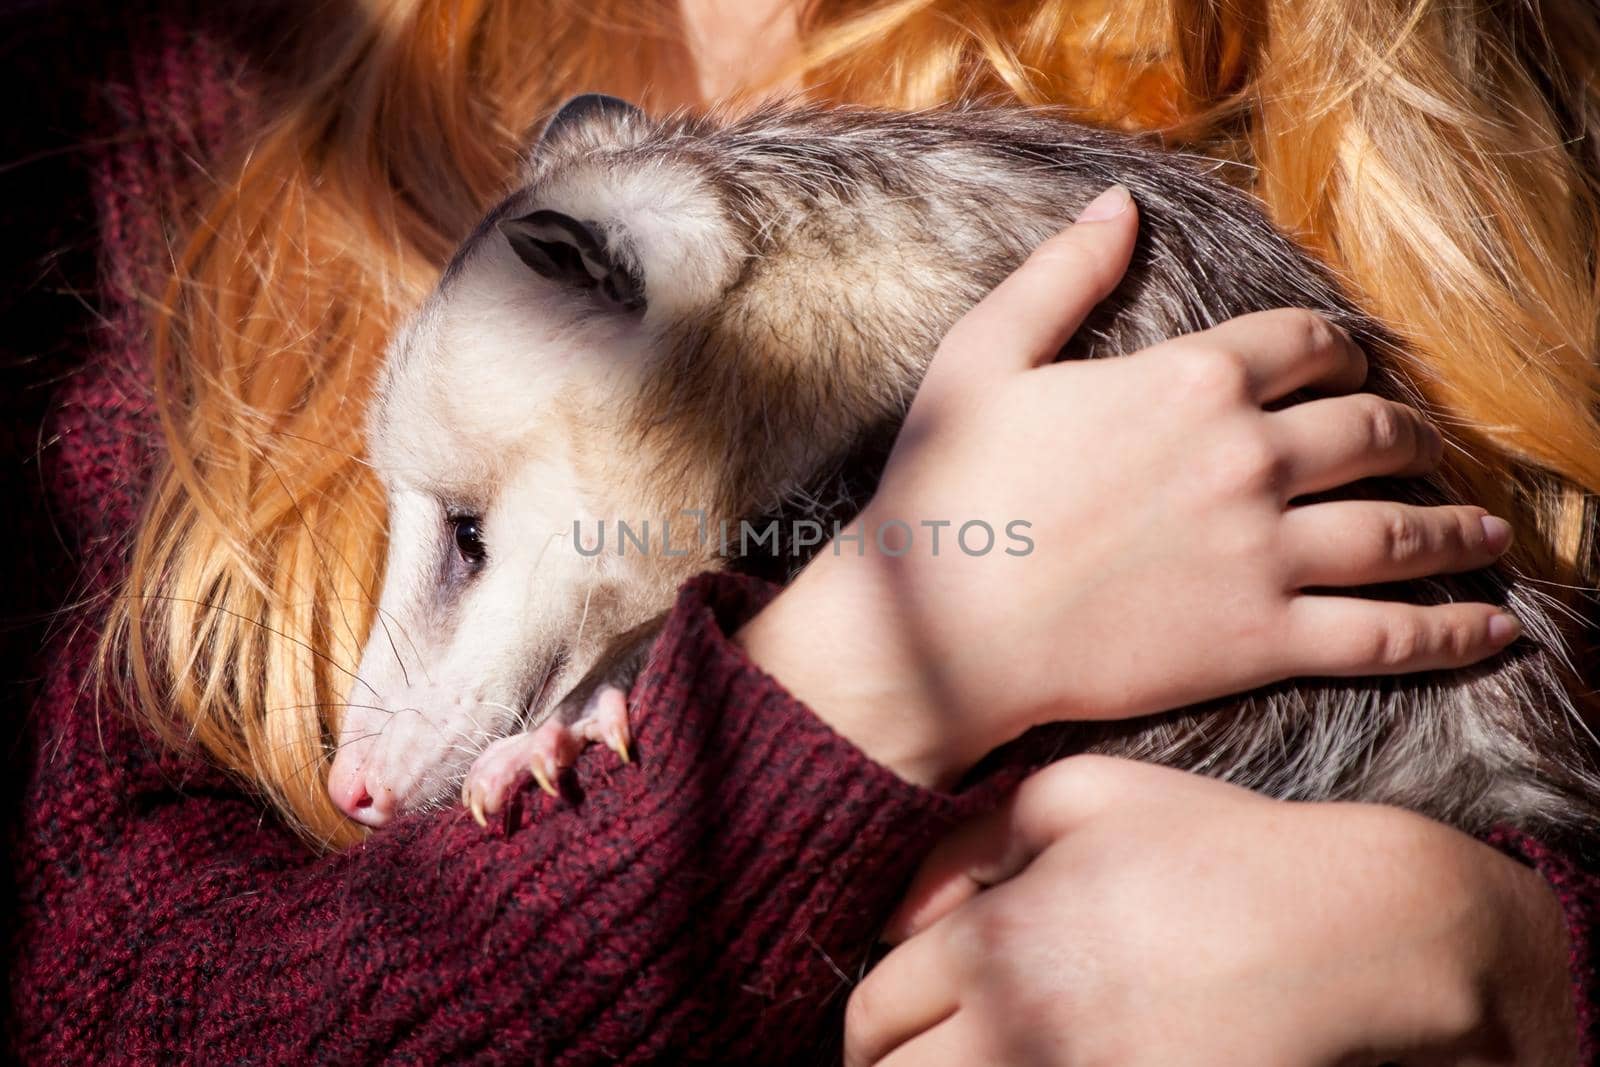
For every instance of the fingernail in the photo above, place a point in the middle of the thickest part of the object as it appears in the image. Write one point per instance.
(1108, 205)
(1496, 533)
(1503, 629)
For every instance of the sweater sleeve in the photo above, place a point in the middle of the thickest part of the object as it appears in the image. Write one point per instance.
(704, 902)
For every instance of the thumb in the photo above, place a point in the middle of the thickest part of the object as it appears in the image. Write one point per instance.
(992, 848)
(977, 855)
(1036, 310)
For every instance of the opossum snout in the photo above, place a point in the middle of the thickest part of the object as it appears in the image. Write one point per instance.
(375, 771)
(371, 803)
(392, 758)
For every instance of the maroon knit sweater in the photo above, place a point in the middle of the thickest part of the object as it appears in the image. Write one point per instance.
(707, 902)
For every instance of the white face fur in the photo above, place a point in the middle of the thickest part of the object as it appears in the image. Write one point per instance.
(498, 423)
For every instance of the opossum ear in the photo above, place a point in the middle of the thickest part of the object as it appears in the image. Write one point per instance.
(561, 248)
(591, 107)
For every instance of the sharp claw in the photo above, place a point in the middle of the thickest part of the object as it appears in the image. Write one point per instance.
(618, 743)
(542, 776)
(477, 813)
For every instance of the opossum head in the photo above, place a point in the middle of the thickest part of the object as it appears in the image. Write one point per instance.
(679, 321)
(498, 428)
(551, 389)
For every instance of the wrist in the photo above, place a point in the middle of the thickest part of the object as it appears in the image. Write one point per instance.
(832, 641)
(1530, 981)
(1485, 966)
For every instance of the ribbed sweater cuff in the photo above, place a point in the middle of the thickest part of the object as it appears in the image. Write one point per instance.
(746, 723)
(781, 770)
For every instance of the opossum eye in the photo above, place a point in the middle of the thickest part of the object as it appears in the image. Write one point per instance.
(468, 530)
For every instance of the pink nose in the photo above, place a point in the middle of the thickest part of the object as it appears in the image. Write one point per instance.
(372, 804)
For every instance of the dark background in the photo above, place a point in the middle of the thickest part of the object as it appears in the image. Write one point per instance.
(47, 301)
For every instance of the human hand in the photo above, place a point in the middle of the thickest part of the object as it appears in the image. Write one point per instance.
(1119, 912)
(1168, 566)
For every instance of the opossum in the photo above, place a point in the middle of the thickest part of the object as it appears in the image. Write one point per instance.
(728, 318)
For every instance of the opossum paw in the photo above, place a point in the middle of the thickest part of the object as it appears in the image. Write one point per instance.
(496, 773)
(604, 720)
(544, 753)
(554, 745)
